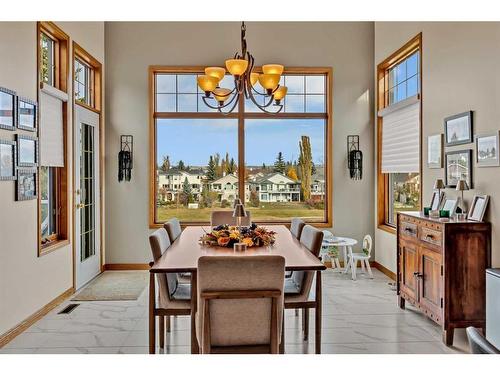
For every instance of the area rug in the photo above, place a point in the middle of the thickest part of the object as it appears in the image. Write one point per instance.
(114, 286)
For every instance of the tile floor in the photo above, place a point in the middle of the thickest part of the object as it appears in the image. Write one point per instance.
(358, 317)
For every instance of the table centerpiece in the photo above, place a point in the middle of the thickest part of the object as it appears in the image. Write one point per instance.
(226, 236)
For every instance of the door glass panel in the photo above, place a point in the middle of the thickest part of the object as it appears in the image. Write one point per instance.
(87, 211)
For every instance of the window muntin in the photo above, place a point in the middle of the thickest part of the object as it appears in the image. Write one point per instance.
(175, 92)
(48, 58)
(82, 83)
(404, 79)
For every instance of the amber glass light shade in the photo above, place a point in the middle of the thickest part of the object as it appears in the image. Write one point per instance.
(221, 94)
(273, 69)
(254, 77)
(280, 92)
(236, 66)
(215, 71)
(269, 81)
(207, 83)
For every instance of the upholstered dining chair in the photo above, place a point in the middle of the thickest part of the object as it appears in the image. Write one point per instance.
(298, 287)
(221, 217)
(173, 228)
(240, 303)
(174, 298)
(296, 226)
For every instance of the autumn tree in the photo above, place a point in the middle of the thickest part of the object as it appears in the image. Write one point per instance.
(292, 173)
(231, 166)
(165, 165)
(305, 163)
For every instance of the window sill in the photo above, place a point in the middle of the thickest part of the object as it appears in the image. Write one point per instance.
(387, 228)
(48, 248)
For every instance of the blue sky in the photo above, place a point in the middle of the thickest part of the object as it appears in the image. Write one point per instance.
(194, 140)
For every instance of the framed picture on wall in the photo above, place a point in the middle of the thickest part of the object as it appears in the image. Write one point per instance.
(458, 167)
(27, 151)
(487, 150)
(7, 109)
(435, 151)
(478, 207)
(27, 114)
(26, 184)
(458, 129)
(7, 160)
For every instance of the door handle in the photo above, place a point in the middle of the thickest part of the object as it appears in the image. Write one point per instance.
(81, 205)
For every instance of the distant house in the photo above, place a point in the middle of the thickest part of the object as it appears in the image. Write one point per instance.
(276, 187)
(171, 183)
(318, 185)
(227, 188)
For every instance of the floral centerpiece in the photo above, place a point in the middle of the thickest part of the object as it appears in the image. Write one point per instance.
(226, 236)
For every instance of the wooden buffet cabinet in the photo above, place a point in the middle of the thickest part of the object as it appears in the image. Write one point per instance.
(441, 269)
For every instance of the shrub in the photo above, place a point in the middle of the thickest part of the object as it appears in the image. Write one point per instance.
(224, 203)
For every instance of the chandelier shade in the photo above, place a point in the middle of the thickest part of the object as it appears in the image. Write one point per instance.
(208, 83)
(273, 69)
(254, 77)
(269, 81)
(236, 67)
(280, 92)
(216, 72)
(221, 94)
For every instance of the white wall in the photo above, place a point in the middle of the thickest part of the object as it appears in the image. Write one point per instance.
(460, 73)
(28, 282)
(132, 47)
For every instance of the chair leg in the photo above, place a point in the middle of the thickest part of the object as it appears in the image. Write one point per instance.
(354, 264)
(363, 271)
(369, 268)
(337, 264)
(167, 323)
(305, 319)
(161, 331)
(282, 342)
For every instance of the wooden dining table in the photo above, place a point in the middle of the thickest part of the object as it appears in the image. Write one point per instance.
(182, 257)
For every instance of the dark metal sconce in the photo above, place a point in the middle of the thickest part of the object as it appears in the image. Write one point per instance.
(125, 157)
(354, 157)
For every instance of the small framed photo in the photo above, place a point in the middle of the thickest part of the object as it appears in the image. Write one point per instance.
(450, 204)
(7, 109)
(487, 150)
(26, 184)
(27, 114)
(435, 151)
(27, 151)
(458, 167)
(7, 160)
(436, 200)
(458, 129)
(478, 207)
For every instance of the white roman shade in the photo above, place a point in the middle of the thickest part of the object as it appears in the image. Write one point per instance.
(51, 126)
(401, 136)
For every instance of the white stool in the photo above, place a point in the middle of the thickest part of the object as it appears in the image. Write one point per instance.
(364, 257)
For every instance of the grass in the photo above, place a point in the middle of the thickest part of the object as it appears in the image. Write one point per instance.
(265, 212)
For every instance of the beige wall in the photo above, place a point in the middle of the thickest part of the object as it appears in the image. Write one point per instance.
(132, 47)
(28, 282)
(460, 73)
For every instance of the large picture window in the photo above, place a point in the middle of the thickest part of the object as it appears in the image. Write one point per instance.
(201, 160)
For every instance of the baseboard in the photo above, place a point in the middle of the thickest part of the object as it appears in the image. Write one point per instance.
(126, 266)
(384, 270)
(28, 322)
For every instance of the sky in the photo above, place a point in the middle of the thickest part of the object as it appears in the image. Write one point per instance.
(194, 140)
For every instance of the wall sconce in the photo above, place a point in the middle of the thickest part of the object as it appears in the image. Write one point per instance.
(354, 157)
(125, 161)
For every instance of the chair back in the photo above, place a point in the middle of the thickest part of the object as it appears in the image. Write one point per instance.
(159, 242)
(311, 238)
(222, 217)
(478, 343)
(173, 228)
(367, 245)
(240, 300)
(296, 226)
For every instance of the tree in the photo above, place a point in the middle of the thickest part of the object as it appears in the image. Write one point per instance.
(217, 165)
(211, 169)
(181, 166)
(279, 164)
(165, 165)
(231, 166)
(313, 168)
(254, 199)
(187, 192)
(292, 173)
(305, 163)
(264, 168)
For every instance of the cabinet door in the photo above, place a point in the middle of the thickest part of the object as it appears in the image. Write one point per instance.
(408, 259)
(430, 282)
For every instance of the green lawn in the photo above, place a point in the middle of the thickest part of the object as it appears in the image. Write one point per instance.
(265, 212)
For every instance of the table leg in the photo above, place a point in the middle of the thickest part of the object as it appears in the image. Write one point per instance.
(317, 311)
(346, 263)
(152, 318)
(195, 349)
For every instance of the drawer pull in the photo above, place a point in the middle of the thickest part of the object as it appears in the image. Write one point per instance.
(417, 274)
(430, 236)
(409, 230)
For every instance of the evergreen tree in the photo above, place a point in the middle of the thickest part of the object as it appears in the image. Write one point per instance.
(181, 166)
(187, 191)
(211, 170)
(279, 164)
(231, 167)
(264, 167)
(165, 165)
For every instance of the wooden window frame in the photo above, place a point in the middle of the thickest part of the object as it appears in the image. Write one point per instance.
(241, 116)
(95, 79)
(382, 101)
(61, 176)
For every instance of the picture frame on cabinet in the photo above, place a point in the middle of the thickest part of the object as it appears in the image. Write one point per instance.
(26, 184)
(27, 151)
(487, 147)
(8, 105)
(458, 129)
(450, 204)
(437, 198)
(435, 151)
(8, 159)
(478, 207)
(458, 166)
(27, 114)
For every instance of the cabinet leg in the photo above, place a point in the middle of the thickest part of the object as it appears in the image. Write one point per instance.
(448, 336)
(401, 302)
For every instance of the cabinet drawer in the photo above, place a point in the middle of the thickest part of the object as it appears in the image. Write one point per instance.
(431, 236)
(408, 229)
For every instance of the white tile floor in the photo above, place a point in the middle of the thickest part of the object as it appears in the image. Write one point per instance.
(358, 317)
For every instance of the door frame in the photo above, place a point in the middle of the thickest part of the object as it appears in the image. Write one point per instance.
(97, 93)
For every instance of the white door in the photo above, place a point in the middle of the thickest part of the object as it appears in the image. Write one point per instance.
(87, 212)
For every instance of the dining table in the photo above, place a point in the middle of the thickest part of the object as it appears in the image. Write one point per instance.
(182, 257)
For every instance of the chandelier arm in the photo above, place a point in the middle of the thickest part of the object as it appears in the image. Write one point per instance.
(218, 107)
(232, 108)
(260, 105)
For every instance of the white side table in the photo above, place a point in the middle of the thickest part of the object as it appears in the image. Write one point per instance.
(344, 243)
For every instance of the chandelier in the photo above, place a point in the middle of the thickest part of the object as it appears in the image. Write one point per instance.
(241, 67)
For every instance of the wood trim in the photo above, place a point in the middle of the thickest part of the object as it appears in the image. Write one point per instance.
(384, 270)
(241, 116)
(32, 319)
(126, 267)
(62, 174)
(382, 99)
(96, 81)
